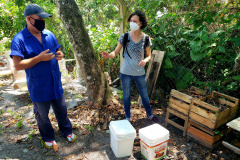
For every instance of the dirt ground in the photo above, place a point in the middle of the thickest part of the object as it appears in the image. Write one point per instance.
(20, 139)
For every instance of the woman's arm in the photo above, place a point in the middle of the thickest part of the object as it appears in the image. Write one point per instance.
(114, 53)
(143, 62)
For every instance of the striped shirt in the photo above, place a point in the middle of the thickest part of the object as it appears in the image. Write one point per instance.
(130, 66)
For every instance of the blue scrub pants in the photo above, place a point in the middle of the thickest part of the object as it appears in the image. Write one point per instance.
(41, 110)
(141, 83)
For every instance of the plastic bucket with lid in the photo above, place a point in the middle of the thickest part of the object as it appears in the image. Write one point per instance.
(122, 136)
(153, 141)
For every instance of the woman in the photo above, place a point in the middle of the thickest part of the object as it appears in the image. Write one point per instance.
(134, 62)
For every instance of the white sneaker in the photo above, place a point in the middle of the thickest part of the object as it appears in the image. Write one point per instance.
(71, 137)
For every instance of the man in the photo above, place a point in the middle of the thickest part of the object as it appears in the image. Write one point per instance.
(36, 50)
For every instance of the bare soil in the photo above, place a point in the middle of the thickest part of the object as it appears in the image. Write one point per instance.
(20, 138)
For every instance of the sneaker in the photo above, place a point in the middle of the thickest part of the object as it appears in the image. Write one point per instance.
(51, 144)
(71, 137)
(155, 119)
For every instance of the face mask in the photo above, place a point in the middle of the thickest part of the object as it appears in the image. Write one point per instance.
(134, 26)
(39, 24)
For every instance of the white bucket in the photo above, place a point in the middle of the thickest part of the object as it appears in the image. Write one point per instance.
(153, 140)
(122, 136)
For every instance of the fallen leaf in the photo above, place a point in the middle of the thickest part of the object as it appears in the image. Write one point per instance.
(31, 148)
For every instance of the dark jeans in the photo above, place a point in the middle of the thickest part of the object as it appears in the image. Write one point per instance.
(41, 110)
(142, 88)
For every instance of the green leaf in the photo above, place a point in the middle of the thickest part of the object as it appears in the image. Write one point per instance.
(222, 49)
(172, 54)
(195, 45)
(167, 63)
(170, 73)
(171, 47)
(237, 78)
(236, 40)
(154, 30)
(204, 37)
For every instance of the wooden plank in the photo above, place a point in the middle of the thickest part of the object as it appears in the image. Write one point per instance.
(205, 105)
(199, 136)
(183, 111)
(236, 100)
(179, 103)
(181, 96)
(235, 124)
(223, 114)
(201, 127)
(231, 147)
(153, 72)
(175, 124)
(204, 113)
(174, 112)
(178, 108)
(228, 103)
(206, 122)
(224, 120)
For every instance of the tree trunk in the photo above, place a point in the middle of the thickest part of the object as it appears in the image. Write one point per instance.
(123, 22)
(97, 87)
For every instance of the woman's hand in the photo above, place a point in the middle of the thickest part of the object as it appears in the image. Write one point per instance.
(142, 63)
(105, 54)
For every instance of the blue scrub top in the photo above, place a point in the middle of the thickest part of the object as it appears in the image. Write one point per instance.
(44, 78)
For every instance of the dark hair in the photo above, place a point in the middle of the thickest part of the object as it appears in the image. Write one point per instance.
(142, 18)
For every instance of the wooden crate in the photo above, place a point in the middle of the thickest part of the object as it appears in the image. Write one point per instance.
(179, 104)
(180, 101)
(211, 116)
(205, 136)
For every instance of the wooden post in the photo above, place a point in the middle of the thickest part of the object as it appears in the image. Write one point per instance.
(153, 72)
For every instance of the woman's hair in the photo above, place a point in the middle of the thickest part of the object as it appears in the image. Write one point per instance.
(142, 18)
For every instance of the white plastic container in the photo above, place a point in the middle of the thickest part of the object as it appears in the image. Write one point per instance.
(153, 141)
(122, 136)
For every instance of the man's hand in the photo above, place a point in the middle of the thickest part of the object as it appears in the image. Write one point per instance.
(45, 56)
(59, 55)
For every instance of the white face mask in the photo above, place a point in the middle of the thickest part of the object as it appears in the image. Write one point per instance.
(134, 26)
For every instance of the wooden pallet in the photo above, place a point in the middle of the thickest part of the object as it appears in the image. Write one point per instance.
(211, 116)
(206, 136)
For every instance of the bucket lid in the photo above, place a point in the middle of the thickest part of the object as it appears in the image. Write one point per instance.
(122, 129)
(153, 134)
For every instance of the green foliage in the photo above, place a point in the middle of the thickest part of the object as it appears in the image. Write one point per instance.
(90, 128)
(1, 127)
(31, 133)
(199, 51)
(19, 123)
(120, 94)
